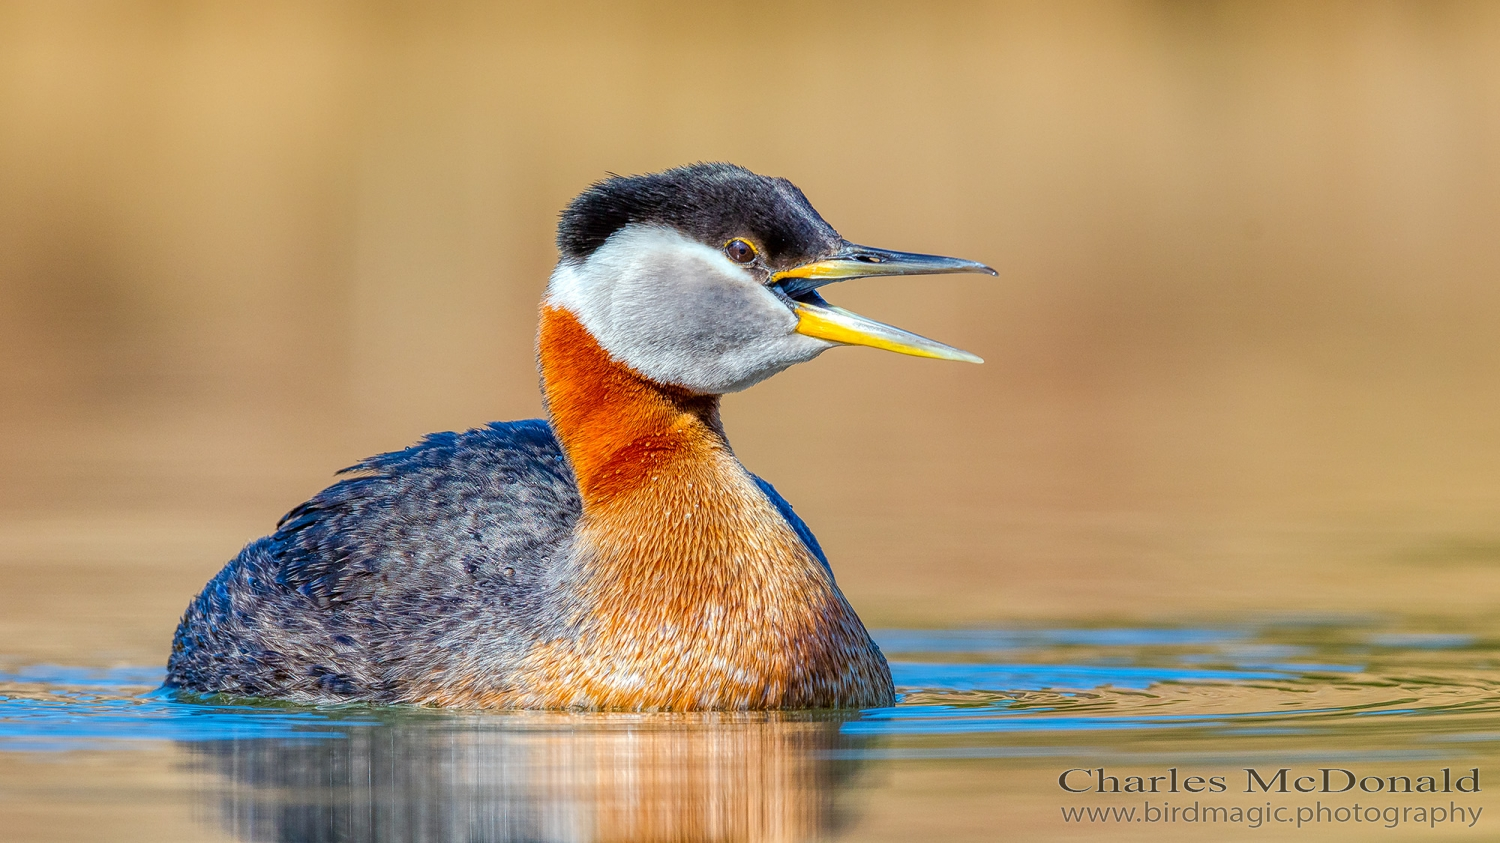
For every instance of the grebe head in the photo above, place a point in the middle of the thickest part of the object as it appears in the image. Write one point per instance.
(706, 277)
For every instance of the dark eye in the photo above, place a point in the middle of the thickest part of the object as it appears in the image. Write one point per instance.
(739, 251)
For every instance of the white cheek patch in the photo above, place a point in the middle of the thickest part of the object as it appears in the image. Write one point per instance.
(680, 312)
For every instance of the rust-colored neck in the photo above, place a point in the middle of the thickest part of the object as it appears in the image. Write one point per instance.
(684, 587)
(617, 427)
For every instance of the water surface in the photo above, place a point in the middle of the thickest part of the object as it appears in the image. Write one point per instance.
(1006, 711)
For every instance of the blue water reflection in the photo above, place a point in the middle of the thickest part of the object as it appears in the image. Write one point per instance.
(282, 772)
(974, 678)
(951, 681)
(993, 677)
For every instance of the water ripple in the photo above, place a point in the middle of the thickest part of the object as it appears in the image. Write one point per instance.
(976, 686)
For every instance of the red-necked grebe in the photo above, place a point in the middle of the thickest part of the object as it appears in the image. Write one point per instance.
(618, 557)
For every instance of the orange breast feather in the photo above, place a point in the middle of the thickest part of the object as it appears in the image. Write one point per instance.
(687, 589)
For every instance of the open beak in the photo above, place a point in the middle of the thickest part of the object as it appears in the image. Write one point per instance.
(818, 318)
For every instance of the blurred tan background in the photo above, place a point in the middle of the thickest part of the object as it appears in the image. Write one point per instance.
(1243, 356)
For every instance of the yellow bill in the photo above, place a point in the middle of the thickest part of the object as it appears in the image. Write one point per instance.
(818, 318)
(836, 324)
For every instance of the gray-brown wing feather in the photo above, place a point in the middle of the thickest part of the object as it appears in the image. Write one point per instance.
(389, 574)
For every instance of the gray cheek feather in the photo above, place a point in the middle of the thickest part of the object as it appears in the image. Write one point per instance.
(680, 313)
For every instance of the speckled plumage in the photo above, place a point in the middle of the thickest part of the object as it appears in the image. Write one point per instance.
(429, 560)
(369, 585)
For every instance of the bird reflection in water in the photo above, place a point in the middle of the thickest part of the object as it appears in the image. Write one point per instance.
(419, 776)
